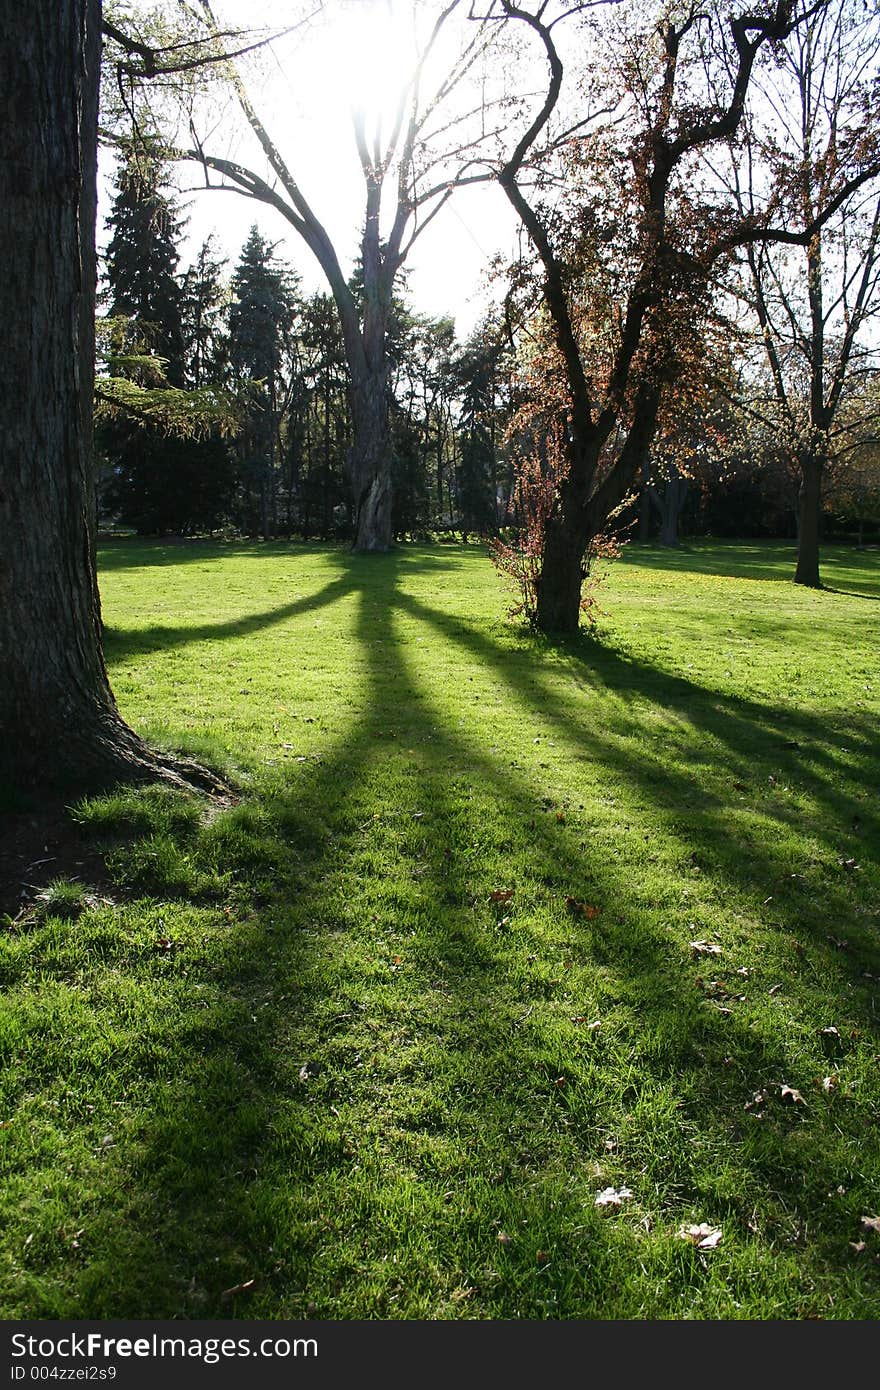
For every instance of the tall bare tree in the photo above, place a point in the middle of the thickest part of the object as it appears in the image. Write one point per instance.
(430, 146)
(815, 115)
(664, 85)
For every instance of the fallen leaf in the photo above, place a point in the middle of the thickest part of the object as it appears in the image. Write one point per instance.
(790, 1094)
(871, 1223)
(238, 1288)
(501, 895)
(612, 1196)
(705, 948)
(582, 909)
(704, 1237)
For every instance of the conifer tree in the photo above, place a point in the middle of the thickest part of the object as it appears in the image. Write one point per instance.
(204, 312)
(168, 332)
(142, 258)
(261, 318)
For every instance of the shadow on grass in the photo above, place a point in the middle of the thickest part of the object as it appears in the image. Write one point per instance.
(763, 560)
(250, 1149)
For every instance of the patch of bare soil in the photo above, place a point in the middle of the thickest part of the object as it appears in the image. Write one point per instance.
(38, 846)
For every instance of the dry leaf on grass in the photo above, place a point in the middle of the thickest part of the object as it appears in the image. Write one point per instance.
(238, 1288)
(582, 909)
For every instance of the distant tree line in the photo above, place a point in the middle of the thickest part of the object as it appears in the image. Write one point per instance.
(286, 473)
(463, 416)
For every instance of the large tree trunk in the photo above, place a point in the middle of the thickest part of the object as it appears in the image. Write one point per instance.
(809, 513)
(58, 720)
(371, 459)
(562, 575)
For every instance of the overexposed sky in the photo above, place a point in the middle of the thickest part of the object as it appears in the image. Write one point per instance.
(303, 90)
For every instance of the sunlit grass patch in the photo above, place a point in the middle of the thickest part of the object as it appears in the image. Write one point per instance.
(494, 927)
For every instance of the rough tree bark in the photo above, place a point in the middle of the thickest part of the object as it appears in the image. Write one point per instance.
(809, 515)
(58, 720)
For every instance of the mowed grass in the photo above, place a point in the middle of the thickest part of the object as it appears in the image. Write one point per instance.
(370, 1042)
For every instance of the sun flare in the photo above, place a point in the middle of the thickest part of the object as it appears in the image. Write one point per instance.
(370, 57)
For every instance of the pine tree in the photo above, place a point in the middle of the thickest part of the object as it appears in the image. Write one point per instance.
(169, 332)
(261, 318)
(204, 310)
(142, 259)
(477, 371)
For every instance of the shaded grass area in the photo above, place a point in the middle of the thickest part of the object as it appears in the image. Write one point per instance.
(376, 1037)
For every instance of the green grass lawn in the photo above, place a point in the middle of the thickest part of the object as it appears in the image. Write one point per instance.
(372, 1041)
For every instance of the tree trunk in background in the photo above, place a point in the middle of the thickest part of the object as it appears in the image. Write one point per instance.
(58, 719)
(669, 505)
(809, 513)
(371, 459)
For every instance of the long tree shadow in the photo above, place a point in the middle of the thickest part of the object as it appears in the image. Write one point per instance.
(134, 552)
(760, 741)
(246, 1152)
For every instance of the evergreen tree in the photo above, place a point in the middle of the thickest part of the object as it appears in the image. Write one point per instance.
(204, 312)
(477, 369)
(142, 258)
(166, 333)
(325, 505)
(261, 317)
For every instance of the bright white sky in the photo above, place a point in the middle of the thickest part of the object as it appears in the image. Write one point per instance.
(305, 103)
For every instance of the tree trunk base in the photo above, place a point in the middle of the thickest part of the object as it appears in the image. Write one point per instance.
(96, 755)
